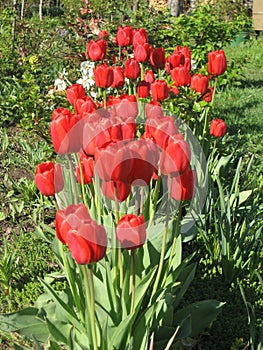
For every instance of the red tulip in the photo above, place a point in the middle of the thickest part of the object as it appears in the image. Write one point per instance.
(143, 89)
(74, 92)
(181, 76)
(175, 158)
(149, 76)
(217, 63)
(187, 56)
(161, 129)
(153, 109)
(208, 96)
(103, 33)
(65, 132)
(145, 158)
(122, 190)
(103, 75)
(176, 59)
(118, 77)
(87, 169)
(49, 178)
(87, 243)
(124, 35)
(142, 52)
(132, 69)
(114, 162)
(139, 37)
(125, 106)
(183, 185)
(199, 83)
(217, 128)
(70, 219)
(157, 58)
(160, 90)
(61, 112)
(84, 106)
(131, 231)
(96, 50)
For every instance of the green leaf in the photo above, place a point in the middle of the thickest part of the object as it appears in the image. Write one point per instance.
(25, 322)
(202, 313)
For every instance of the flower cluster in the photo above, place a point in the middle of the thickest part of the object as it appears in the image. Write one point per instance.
(115, 145)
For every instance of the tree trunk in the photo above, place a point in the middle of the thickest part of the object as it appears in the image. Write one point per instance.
(22, 9)
(13, 26)
(40, 10)
(176, 7)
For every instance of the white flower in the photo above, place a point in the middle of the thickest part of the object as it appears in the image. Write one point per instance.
(60, 84)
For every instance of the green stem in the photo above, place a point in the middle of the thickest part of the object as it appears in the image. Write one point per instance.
(82, 183)
(142, 71)
(177, 231)
(72, 285)
(73, 179)
(89, 286)
(155, 198)
(133, 256)
(105, 98)
(116, 203)
(160, 267)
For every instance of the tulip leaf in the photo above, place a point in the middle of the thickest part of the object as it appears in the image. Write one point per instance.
(26, 322)
(120, 333)
(202, 313)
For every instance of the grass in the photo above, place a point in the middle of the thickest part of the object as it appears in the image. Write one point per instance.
(240, 105)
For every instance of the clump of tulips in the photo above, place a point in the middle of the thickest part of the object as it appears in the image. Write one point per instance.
(127, 172)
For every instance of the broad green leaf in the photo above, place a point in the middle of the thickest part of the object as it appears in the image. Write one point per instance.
(25, 322)
(202, 313)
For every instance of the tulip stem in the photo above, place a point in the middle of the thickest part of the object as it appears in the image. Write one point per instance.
(71, 283)
(177, 231)
(119, 248)
(142, 200)
(142, 71)
(105, 98)
(133, 257)
(89, 286)
(72, 178)
(82, 183)
(160, 266)
(155, 198)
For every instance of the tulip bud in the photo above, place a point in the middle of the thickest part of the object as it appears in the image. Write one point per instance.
(131, 231)
(217, 128)
(49, 178)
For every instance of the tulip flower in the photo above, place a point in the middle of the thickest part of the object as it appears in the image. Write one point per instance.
(96, 50)
(199, 83)
(149, 76)
(131, 231)
(65, 130)
(175, 158)
(84, 106)
(122, 190)
(87, 169)
(217, 128)
(70, 218)
(181, 76)
(103, 75)
(139, 37)
(160, 90)
(118, 77)
(142, 52)
(124, 36)
(143, 89)
(208, 96)
(114, 162)
(183, 185)
(176, 59)
(161, 129)
(132, 69)
(217, 63)
(157, 58)
(49, 178)
(74, 92)
(153, 109)
(87, 243)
